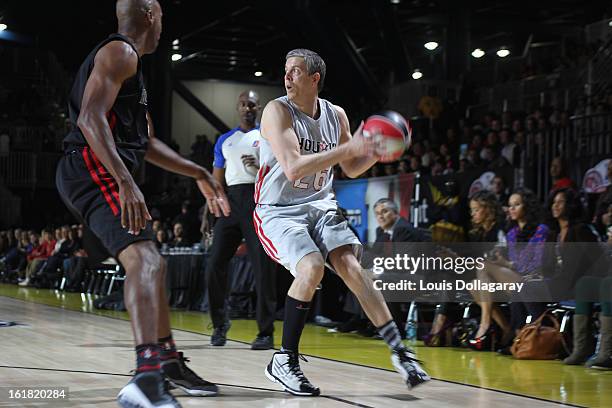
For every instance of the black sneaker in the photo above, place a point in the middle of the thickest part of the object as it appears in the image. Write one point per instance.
(146, 390)
(285, 370)
(218, 337)
(180, 376)
(409, 368)
(352, 325)
(368, 331)
(263, 343)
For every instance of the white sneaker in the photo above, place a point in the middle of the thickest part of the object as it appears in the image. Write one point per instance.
(146, 390)
(409, 368)
(285, 370)
(24, 282)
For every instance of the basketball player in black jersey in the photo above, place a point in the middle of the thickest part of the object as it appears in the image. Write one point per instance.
(112, 137)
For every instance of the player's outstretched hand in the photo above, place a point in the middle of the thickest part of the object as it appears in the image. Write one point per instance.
(363, 145)
(134, 212)
(215, 195)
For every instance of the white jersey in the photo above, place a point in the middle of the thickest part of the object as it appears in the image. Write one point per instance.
(314, 135)
(228, 152)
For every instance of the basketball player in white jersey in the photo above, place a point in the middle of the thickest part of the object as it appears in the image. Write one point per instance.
(297, 218)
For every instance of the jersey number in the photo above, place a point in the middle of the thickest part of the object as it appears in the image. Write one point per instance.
(319, 181)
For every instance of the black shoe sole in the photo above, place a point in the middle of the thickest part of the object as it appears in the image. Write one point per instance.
(262, 347)
(194, 393)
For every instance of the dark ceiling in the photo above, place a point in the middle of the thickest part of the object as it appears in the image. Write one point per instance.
(365, 42)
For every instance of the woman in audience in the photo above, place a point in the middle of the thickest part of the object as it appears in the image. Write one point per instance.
(524, 262)
(487, 221)
(588, 261)
(161, 237)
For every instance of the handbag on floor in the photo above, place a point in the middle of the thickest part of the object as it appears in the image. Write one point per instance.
(538, 342)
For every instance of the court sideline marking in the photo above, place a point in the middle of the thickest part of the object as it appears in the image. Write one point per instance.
(331, 397)
(567, 404)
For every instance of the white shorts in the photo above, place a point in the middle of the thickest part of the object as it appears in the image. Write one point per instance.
(289, 233)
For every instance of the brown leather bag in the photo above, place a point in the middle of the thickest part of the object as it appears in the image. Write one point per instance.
(537, 342)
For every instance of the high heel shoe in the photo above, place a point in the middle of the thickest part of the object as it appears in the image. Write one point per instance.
(484, 342)
(442, 337)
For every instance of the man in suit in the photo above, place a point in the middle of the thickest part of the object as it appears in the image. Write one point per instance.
(391, 228)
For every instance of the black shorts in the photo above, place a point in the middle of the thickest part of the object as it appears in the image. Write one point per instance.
(92, 195)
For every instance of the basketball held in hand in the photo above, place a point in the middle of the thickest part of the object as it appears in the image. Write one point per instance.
(393, 134)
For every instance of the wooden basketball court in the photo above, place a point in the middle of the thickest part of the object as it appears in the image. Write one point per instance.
(92, 356)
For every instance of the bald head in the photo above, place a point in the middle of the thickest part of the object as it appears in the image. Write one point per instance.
(141, 21)
(249, 95)
(248, 108)
(133, 12)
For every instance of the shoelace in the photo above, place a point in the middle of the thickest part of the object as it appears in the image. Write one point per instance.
(405, 356)
(294, 366)
(193, 377)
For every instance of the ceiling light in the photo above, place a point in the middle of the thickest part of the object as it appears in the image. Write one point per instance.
(175, 42)
(417, 74)
(610, 23)
(478, 53)
(232, 62)
(176, 57)
(175, 47)
(503, 52)
(3, 27)
(258, 73)
(395, 1)
(431, 45)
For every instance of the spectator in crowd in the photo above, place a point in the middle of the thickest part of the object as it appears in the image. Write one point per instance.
(27, 241)
(161, 238)
(473, 160)
(583, 260)
(391, 228)
(389, 169)
(559, 175)
(69, 245)
(179, 239)
(498, 187)
(487, 226)
(76, 264)
(447, 156)
(189, 222)
(61, 236)
(493, 142)
(451, 141)
(39, 255)
(603, 216)
(157, 225)
(524, 263)
(415, 164)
